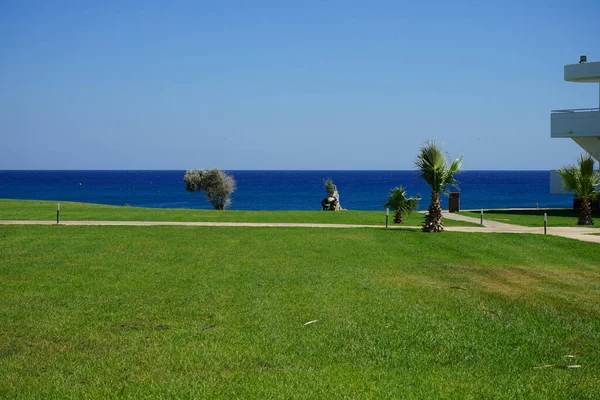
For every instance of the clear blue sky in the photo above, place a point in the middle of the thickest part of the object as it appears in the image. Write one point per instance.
(289, 85)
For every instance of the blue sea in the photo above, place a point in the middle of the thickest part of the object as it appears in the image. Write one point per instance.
(278, 190)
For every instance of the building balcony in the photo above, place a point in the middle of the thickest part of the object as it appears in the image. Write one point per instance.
(582, 122)
(583, 72)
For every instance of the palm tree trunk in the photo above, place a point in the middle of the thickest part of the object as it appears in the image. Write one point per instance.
(398, 217)
(585, 213)
(433, 219)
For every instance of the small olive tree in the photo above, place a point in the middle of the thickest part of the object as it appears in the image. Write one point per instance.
(330, 188)
(333, 194)
(217, 184)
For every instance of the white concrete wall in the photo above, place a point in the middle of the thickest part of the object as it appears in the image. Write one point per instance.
(584, 72)
(574, 124)
(590, 144)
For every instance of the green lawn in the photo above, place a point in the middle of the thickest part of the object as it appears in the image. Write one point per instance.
(220, 313)
(556, 216)
(46, 210)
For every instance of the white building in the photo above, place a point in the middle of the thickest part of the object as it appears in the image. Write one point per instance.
(582, 125)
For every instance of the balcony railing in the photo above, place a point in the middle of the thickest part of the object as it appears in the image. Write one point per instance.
(575, 110)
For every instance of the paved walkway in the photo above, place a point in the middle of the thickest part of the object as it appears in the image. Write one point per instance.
(488, 226)
(475, 220)
(175, 223)
(578, 233)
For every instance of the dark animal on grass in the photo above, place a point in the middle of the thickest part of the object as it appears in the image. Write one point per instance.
(328, 203)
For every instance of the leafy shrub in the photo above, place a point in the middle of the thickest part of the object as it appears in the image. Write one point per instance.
(330, 188)
(217, 184)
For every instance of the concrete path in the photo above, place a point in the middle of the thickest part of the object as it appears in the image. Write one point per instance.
(489, 226)
(174, 223)
(584, 234)
(474, 220)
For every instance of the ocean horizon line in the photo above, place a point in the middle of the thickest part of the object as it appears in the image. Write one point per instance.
(277, 189)
(269, 170)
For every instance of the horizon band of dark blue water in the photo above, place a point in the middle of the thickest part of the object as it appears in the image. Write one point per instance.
(279, 190)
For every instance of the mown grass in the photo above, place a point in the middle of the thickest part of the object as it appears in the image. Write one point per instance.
(557, 217)
(213, 312)
(46, 210)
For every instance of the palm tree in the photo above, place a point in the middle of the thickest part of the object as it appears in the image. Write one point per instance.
(438, 173)
(583, 181)
(402, 205)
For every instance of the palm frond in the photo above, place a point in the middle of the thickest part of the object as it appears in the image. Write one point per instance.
(434, 167)
(398, 201)
(570, 177)
(586, 164)
(581, 179)
(409, 206)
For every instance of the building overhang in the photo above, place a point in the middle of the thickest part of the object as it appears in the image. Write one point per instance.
(575, 123)
(583, 72)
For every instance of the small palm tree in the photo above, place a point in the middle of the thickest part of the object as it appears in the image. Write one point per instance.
(401, 204)
(583, 181)
(438, 173)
